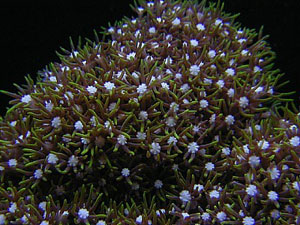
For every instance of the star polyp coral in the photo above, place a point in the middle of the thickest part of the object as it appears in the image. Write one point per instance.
(122, 140)
(109, 85)
(142, 88)
(205, 216)
(230, 92)
(272, 195)
(295, 141)
(158, 184)
(203, 103)
(101, 222)
(185, 196)
(2, 219)
(78, 125)
(141, 135)
(52, 159)
(26, 99)
(214, 194)
(254, 161)
(91, 89)
(229, 119)
(184, 88)
(226, 150)
(180, 101)
(12, 163)
(195, 69)
(200, 27)
(193, 147)
(209, 166)
(211, 53)
(155, 148)
(125, 172)
(198, 187)
(38, 174)
(13, 207)
(73, 161)
(275, 214)
(176, 21)
(230, 72)
(172, 140)
(56, 122)
(83, 214)
(170, 122)
(251, 190)
(274, 173)
(248, 221)
(221, 216)
(143, 115)
(243, 101)
(194, 42)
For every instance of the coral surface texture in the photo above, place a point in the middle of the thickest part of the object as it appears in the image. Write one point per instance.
(173, 117)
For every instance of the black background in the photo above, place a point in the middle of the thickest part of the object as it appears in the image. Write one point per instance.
(30, 35)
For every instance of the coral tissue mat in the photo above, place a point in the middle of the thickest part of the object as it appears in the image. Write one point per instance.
(177, 119)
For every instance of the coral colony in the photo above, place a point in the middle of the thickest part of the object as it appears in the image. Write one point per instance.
(177, 119)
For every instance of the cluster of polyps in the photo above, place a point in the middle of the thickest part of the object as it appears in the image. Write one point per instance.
(176, 106)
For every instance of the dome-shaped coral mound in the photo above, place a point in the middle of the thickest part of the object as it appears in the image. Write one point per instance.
(176, 120)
